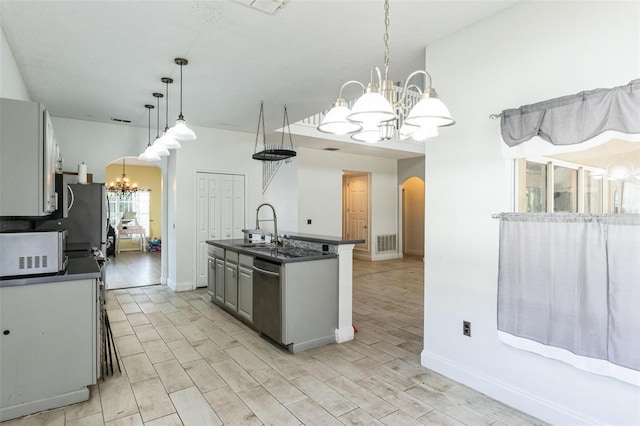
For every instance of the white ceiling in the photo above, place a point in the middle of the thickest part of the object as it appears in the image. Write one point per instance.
(97, 60)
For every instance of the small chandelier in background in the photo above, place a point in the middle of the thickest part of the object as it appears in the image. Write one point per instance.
(122, 187)
(180, 131)
(149, 153)
(374, 115)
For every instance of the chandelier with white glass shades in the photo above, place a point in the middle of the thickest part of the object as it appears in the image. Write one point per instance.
(374, 116)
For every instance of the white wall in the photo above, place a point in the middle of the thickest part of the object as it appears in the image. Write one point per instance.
(97, 144)
(320, 191)
(12, 84)
(282, 193)
(215, 151)
(531, 52)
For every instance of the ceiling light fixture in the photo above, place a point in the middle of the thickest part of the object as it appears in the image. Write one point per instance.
(374, 115)
(122, 187)
(157, 145)
(149, 153)
(180, 131)
(166, 139)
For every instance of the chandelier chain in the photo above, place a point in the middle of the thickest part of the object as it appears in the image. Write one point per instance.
(386, 39)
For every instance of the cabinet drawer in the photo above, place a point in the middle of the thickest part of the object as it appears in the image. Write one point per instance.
(231, 256)
(246, 261)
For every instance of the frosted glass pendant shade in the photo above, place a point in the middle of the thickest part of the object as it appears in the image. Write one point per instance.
(181, 132)
(159, 148)
(168, 141)
(149, 155)
(371, 109)
(335, 122)
(430, 112)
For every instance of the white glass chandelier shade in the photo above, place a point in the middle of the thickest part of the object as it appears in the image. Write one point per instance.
(335, 120)
(181, 132)
(369, 134)
(371, 109)
(430, 112)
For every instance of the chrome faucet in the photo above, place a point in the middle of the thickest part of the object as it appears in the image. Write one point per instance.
(274, 220)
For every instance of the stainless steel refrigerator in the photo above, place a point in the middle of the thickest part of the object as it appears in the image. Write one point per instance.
(86, 219)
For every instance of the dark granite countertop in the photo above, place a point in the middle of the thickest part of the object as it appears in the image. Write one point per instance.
(80, 268)
(313, 238)
(271, 252)
(323, 239)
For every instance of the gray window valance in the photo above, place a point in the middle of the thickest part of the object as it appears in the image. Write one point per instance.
(573, 119)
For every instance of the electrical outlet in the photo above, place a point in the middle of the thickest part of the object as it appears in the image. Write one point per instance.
(308, 221)
(466, 328)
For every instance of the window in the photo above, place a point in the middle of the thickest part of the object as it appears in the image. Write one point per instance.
(600, 180)
(139, 203)
(565, 190)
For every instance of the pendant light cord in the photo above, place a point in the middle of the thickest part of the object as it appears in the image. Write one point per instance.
(157, 117)
(181, 117)
(166, 110)
(386, 39)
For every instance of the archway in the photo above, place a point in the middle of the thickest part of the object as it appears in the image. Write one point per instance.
(413, 217)
(136, 225)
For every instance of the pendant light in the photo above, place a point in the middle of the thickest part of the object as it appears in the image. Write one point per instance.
(180, 131)
(377, 110)
(157, 145)
(149, 153)
(166, 139)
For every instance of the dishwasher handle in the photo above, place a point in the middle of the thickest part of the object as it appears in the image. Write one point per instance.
(262, 271)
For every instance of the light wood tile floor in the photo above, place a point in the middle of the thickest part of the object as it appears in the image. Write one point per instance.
(133, 269)
(187, 362)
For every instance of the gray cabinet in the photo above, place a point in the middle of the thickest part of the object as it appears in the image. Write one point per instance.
(219, 278)
(245, 288)
(27, 156)
(231, 280)
(309, 303)
(49, 350)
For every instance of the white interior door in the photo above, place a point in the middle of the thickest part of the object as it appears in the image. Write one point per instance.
(357, 214)
(220, 214)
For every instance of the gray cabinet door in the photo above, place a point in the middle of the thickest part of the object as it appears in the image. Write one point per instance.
(48, 345)
(219, 281)
(245, 293)
(231, 286)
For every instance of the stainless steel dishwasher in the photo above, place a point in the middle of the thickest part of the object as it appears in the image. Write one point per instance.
(267, 312)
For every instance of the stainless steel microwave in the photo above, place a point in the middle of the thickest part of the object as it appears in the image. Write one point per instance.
(33, 253)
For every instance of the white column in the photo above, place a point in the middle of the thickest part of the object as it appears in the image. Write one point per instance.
(344, 332)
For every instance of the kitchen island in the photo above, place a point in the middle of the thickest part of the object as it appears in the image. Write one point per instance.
(49, 350)
(315, 255)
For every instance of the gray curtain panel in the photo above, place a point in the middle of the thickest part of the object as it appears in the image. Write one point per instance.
(572, 281)
(576, 118)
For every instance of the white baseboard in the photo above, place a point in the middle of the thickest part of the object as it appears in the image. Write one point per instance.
(516, 398)
(344, 334)
(179, 286)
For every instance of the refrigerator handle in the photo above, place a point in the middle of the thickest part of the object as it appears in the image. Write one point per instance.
(72, 197)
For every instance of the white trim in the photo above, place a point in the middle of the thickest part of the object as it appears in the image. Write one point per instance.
(592, 365)
(344, 334)
(509, 395)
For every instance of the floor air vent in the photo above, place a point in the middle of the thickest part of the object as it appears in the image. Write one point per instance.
(386, 243)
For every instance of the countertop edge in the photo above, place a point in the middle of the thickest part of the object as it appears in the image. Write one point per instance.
(234, 246)
(77, 269)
